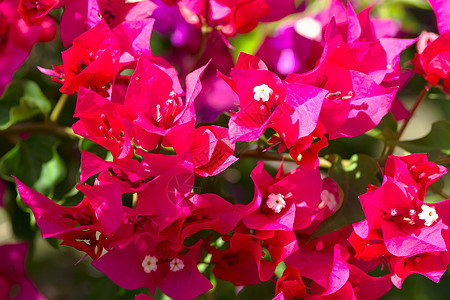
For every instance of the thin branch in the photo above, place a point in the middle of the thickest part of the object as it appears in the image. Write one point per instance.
(47, 127)
(443, 160)
(323, 163)
(54, 116)
(389, 150)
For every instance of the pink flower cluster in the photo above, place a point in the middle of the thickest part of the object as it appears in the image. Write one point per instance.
(17, 37)
(142, 222)
(14, 283)
(400, 229)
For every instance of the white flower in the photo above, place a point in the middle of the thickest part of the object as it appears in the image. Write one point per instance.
(428, 214)
(328, 199)
(309, 28)
(276, 202)
(262, 92)
(149, 264)
(176, 265)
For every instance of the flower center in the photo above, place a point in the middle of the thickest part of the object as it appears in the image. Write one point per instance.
(149, 263)
(262, 92)
(428, 214)
(176, 265)
(309, 28)
(166, 114)
(339, 96)
(276, 202)
(328, 199)
(107, 129)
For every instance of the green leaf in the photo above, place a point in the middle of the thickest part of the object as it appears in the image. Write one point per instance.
(35, 162)
(19, 219)
(386, 130)
(435, 143)
(21, 101)
(260, 291)
(90, 146)
(248, 42)
(352, 176)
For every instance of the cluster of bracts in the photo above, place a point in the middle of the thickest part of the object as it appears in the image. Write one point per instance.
(148, 122)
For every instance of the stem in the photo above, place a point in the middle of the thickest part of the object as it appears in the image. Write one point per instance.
(443, 160)
(389, 150)
(159, 145)
(51, 128)
(54, 116)
(57, 21)
(264, 155)
(135, 200)
(323, 163)
(422, 95)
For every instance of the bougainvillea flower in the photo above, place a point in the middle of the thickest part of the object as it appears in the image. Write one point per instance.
(369, 248)
(17, 39)
(116, 12)
(290, 52)
(291, 284)
(100, 123)
(242, 263)
(233, 17)
(409, 228)
(170, 22)
(164, 198)
(161, 116)
(80, 16)
(305, 151)
(441, 9)
(133, 265)
(415, 171)
(245, 15)
(351, 73)
(100, 211)
(369, 103)
(100, 54)
(179, 168)
(298, 115)
(259, 91)
(360, 285)
(297, 45)
(354, 106)
(362, 28)
(279, 243)
(185, 281)
(33, 12)
(328, 269)
(330, 199)
(431, 265)
(14, 283)
(284, 203)
(433, 51)
(131, 174)
(212, 150)
(134, 39)
(434, 60)
(142, 296)
(91, 61)
(373, 29)
(210, 212)
(142, 263)
(292, 109)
